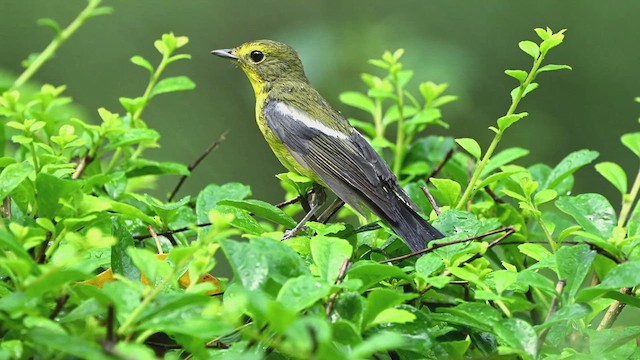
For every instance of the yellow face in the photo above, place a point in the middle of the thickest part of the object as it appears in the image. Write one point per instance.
(265, 61)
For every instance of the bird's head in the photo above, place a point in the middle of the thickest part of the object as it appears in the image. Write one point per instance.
(265, 61)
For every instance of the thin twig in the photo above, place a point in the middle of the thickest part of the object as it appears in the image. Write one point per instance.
(614, 310)
(341, 274)
(288, 202)
(6, 208)
(552, 308)
(215, 343)
(155, 239)
(110, 322)
(493, 195)
(440, 165)
(82, 165)
(170, 232)
(432, 201)
(60, 301)
(40, 256)
(197, 161)
(510, 230)
(593, 246)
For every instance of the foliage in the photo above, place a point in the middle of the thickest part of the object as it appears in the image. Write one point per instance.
(526, 271)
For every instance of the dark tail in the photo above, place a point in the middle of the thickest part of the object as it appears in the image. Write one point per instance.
(400, 215)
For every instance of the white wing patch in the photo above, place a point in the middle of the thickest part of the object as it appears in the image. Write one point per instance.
(297, 115)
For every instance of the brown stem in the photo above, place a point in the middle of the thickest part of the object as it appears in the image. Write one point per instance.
(552, 308)
(196, 162)
(341, 274)
(60, 301)
(493, 195)
(82, 165)
(170, 232)
(614, 310)
(510, 230)
(6, 208)
(432, 201)
(440, 165)
(288, 202)
(155, 239)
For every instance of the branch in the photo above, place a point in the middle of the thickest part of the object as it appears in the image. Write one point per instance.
(60, 301)
(170, 232)
(341, 274)
(614, 310)
(509, 230)
(197, 162)
(432, 201)
(552, 308)
(82, 165)
(440, 165)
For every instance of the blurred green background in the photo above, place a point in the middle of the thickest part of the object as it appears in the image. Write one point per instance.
(467, 44)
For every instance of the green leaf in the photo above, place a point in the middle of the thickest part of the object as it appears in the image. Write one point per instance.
(393, 315)
(542, 33)
(142, 62)
(474, 315)
(358, 100)
(535, 251)
(544, 196)
(574, 264)
(301, 292)
(614, 174)
(381, 299)
(519, 75)
(212, 194)
(591, 211)
(519, 335)
(566, 313)
(428, 264)
(154, 269)
(448, 191)
(12, 176)
(554, 67)
(262, 209)
(241, 219)
(132, 137)
(173, 84)
(371, 273)
(508, 120)
(329, 254)
(51, 189)
(51, 24)
(497, 177)
(632, 142)
(516, 92)
(263, 259)
(530, 48)
(471, 146)
(62, 343)
(502, 158)
(377, 343)
(142, 167)
(567, 166)
(121, 262)
(624, 275)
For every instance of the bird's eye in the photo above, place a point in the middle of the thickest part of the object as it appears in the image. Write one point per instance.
(256, 56)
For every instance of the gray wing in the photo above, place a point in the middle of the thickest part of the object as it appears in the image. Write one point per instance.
(345, 162)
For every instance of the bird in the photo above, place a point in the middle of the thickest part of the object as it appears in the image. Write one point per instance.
(311, 138)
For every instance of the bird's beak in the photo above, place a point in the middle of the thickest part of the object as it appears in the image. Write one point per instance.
(225, 53)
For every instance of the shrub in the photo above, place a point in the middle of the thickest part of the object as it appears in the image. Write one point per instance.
(94, 267)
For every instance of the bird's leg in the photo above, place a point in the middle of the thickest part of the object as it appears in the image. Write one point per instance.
(331, 210)
(317, 199)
